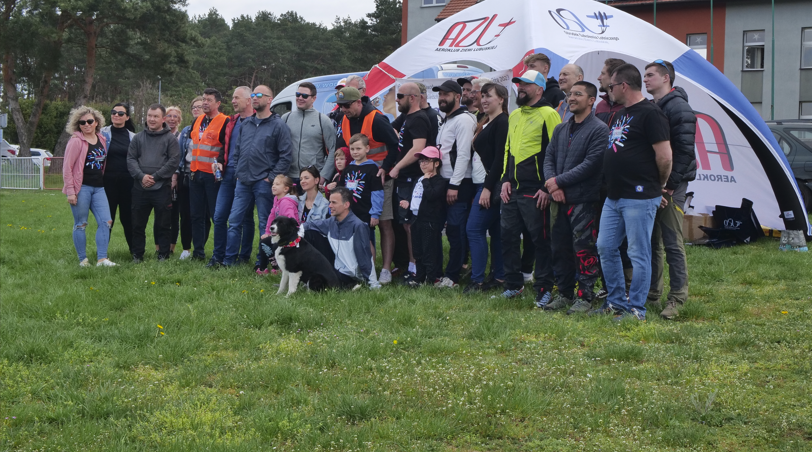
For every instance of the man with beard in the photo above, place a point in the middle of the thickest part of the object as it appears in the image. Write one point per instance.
(605, 111)
(454, 140)
(467, 85)
(572, 167)
(414, 133)
(570, 74)
(431, 113)
(525, 201)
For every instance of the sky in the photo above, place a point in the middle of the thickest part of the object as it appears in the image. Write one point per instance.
(324, 11)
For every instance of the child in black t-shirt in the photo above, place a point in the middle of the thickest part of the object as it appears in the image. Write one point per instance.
(429, 204)
(360, 177)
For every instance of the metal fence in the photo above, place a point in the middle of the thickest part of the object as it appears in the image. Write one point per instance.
(31, 173)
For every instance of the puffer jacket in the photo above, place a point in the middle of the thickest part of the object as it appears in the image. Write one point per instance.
(530, 129)
(576, 165)
(682, 121)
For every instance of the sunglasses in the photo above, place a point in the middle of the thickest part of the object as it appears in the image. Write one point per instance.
(119, 113)
(345, 106)
(401, 95)
(662, 63)
(303, 95)
(259, 95)
(89, 121)
(612, 85)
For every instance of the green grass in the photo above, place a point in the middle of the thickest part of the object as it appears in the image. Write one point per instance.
(83, 365)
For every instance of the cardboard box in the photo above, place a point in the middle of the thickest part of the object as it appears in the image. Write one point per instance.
(691, 224)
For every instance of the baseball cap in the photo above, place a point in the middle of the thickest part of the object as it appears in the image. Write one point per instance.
(429, 152)
(448, 86)
(463, 80)
(532, 76)
(347, 95)
(341, 83)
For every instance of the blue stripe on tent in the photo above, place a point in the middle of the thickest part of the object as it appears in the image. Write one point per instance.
(557, 62)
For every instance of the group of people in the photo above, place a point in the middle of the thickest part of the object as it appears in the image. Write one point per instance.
(571, 187)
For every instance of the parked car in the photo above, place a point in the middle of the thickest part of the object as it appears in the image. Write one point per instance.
(7, 150)
(44, 157)
(795, 138)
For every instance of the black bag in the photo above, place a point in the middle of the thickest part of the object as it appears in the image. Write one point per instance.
(733, 225)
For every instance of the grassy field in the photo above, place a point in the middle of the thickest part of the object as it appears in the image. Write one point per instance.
(173, 356)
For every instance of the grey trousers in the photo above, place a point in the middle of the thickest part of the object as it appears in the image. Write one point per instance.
(667, 236)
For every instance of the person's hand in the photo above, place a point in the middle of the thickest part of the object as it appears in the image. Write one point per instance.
(264, 236)
(216, 166)
(322, 181)
(663, 202)
(505, 195)
(331, 186)
(451, 196)
(147, 181)
(72, 200)
(174, 184)
(485, 198)
(542, 199)
(382, 175)
(558, 196)
(551, 185)
(393, 173)
(404, 204)
(670, 192)
(373, 222)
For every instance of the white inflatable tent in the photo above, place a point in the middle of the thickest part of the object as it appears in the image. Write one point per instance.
(737, 155)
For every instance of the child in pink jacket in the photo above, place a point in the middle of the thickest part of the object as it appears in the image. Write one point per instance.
(285, 204)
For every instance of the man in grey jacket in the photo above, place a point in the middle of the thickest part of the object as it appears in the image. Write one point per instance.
(312, 135)
(262, 152)
(572, 169)
(152, 159)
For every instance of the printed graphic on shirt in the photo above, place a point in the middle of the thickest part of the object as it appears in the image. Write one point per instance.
(400, 137)
(618, 133)
(95, 158)
(354, 181)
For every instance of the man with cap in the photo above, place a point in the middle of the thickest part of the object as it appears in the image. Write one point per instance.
(360, 116)
(336, 116)
(454, 140)
(525, 200)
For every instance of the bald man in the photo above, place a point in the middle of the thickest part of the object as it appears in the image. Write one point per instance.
(570, 74)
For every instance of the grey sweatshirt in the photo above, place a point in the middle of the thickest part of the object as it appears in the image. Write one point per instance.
(313, 144)
(153, 153)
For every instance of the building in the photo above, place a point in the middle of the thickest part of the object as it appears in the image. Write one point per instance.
(738, 42)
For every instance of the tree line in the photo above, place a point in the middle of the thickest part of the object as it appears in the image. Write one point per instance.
(57, 54)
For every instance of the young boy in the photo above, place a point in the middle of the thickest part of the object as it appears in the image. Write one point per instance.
(429, 204)
(361, 178)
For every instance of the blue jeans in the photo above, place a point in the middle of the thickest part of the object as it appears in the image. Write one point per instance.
(245, 196)
(632, 219)
(456, 221)
(225, 200)
(202, 201)
(91, 199)
(480, 222)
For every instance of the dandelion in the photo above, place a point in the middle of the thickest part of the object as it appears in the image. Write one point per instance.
(784, 312)
(162, 333)
(261, 290)
(159, 326)
(244, 291)
(395, 342)
(91, 288)
(153, 283)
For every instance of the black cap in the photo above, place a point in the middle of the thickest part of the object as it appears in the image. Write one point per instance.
(448, 86)
(462, 81)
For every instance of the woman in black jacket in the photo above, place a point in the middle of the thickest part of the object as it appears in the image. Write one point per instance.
(488, 161)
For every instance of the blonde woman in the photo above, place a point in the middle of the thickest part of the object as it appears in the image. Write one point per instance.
(83, 173)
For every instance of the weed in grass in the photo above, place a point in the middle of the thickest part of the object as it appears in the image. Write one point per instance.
(618, 352)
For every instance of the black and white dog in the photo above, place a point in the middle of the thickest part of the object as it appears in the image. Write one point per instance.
(299, 260)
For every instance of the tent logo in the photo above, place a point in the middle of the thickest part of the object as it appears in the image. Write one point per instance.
(710, 140)
(471, 35)
(567, 20)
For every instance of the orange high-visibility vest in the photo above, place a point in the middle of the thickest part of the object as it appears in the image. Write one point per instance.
(377, 150)
(206, 147)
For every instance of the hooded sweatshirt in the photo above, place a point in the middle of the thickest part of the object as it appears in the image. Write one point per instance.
(288, 206)
(154, 153)
(382, 132)
(455, 138)
(553, 93)
(314, 142)
(72, 168)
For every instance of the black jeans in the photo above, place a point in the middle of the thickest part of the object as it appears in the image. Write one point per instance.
(202, 201)
(144, 201)
(519, 214)
(118, 187)
(322, 244)
(427, 246)
(574, 233)
(185, 223)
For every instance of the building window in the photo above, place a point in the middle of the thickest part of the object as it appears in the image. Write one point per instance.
(433, 2)
(806, 110)
(699, 42)
(754, 50)
(806, 48)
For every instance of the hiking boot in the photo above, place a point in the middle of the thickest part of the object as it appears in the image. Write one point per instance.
(492, 284)
(559, 302)
(511, 293)
(671, 310)
(138, 259)
(474, 287)
(385, 277)
(633, 315)
(445, 282)
(580, 306)
(84, 263)
(543, 299)
(606, 309)
(603, 293)
(213, 264)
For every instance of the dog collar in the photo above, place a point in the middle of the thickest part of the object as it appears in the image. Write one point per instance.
(294, 243)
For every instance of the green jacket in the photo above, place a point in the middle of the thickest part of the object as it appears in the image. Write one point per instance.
(529, 131)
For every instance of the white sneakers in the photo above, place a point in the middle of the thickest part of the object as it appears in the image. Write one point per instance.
(84, 263)
(385, 277)
(186, 254)
(105, 263)
(445, 282)
(528, 277)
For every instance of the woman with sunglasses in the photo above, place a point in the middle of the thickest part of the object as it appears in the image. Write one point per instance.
(180, 182)
(312, 204)
(118, 182)
(83, 173)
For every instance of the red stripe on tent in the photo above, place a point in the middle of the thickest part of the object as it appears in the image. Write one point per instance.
(381, 76)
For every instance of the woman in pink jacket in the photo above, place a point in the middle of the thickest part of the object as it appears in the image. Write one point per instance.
(285, 204)
(83, 171)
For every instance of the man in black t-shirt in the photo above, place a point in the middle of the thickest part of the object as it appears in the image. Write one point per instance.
(412, 137)
(637, 163)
